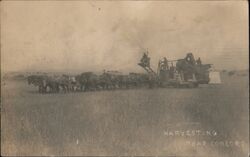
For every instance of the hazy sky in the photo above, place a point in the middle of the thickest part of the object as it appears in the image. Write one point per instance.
(92, 36)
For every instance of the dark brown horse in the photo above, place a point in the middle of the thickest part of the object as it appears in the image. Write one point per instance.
(38, 81)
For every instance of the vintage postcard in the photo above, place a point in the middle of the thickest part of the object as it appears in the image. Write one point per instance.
(125, 78)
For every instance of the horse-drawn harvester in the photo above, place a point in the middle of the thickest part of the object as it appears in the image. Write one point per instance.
(186, 72)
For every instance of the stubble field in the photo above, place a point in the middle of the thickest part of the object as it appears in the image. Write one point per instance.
(127, 122)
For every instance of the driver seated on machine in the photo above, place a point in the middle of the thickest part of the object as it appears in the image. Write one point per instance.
(145, 61)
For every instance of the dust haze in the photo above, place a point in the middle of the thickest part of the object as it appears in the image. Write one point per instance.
(92, 36)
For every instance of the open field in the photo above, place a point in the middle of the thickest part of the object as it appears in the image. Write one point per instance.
(126, 122)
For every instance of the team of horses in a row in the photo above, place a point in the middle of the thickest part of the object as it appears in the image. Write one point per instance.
(87, 81)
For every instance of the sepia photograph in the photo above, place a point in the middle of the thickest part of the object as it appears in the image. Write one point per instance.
(124, 78)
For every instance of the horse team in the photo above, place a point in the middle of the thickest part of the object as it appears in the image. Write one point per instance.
(87, 81)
